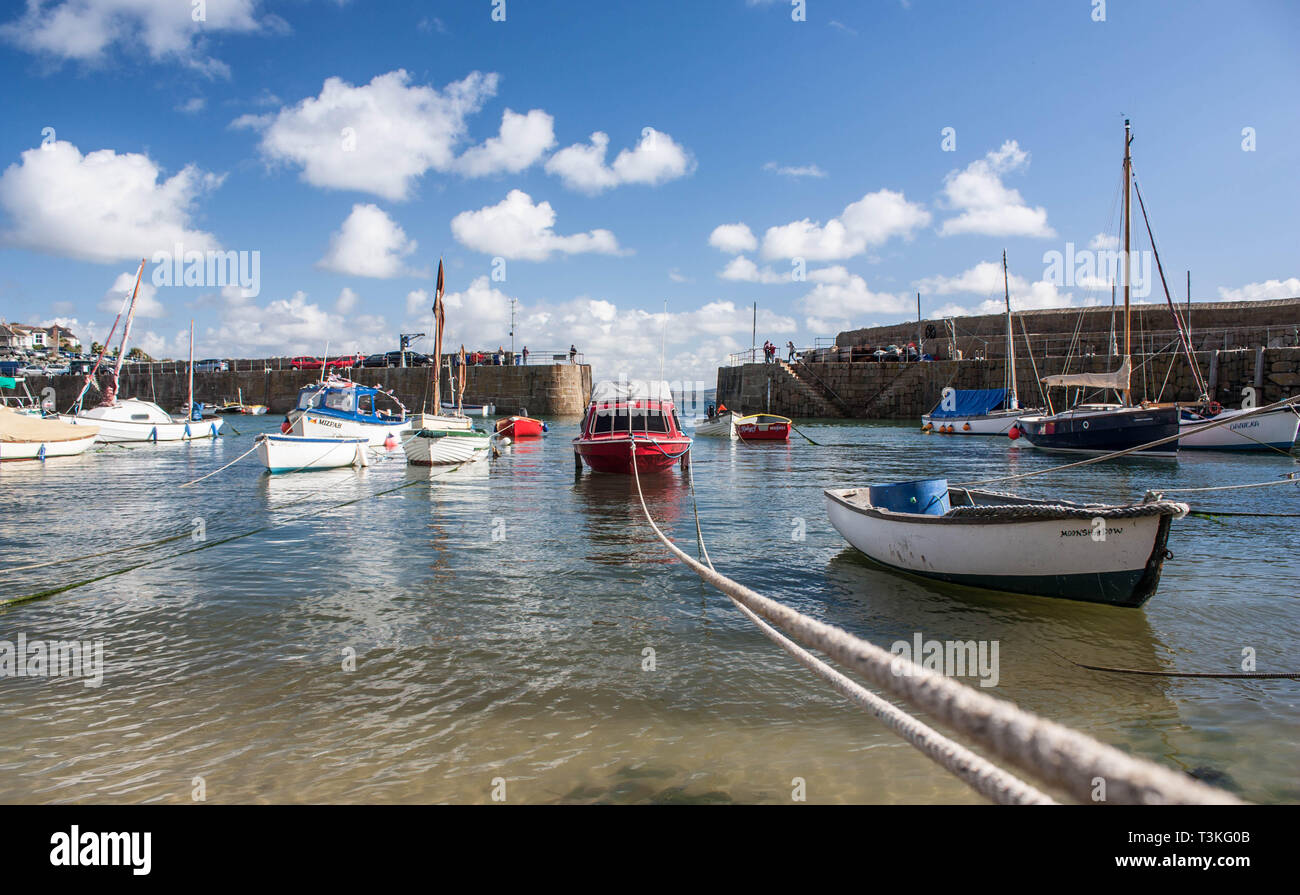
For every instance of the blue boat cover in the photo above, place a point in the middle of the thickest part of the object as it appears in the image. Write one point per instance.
(972, 402)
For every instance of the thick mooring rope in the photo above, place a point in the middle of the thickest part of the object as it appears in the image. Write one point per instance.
(981, 775)
(1052, 753)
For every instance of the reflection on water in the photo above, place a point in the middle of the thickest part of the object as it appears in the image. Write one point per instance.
(398, 634)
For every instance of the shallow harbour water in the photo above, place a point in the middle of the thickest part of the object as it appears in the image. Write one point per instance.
(499, 613)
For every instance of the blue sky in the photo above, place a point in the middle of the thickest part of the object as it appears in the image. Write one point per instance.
(231, 133)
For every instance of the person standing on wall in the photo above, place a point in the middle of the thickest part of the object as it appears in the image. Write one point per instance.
(573, 354)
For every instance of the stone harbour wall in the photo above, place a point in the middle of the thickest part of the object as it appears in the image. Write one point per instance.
(543, 390)
(906, 390)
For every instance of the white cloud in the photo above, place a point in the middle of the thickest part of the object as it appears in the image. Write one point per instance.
(192, 106)
(655, 159)
(146, 305)
(516, 228)
(744, 270)
(380, 137)
(839, 294)
(84, 30)
(523, 140)
(346, 301)
(794, 170)
(985, 205)
(1269, 289)
(1104, 241)
(417, 303)
(103, 206)
(985, 278)
(292, 326)
(733, 238)
(871, 221)
(369, 244)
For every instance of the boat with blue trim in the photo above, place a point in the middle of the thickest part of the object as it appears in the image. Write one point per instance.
(337, 407)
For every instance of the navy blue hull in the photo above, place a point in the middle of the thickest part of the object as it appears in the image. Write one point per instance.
(1104, 432)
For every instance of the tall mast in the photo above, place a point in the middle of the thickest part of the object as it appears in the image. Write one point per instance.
(1128, 256)
(1011, 336)
(126, 329)
(438, 319)
(189, 407)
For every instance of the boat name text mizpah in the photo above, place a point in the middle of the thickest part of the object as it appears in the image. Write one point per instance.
(951, 658)
(211, 269)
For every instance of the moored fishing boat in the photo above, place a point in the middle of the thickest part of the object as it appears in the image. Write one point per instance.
(134, 419)
(340, 408)
(1088, 552)
(297, 453)
(24, 436)
(520, 427)
(437, 447)
(724, 423)
(239, 407)
(1274, 430)
(987, 411)
(1105, 428)
(472, 409)
(627, 422)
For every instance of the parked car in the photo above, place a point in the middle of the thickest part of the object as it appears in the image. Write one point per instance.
(212, 365)
(346, 361)
(394, 359)
(306, 363)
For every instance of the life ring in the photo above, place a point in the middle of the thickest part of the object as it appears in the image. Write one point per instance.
(1214, 408)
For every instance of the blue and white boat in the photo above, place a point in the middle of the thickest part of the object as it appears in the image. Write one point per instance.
(340, 408)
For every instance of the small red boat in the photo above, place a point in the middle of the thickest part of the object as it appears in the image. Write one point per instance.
(520, 427)
(631, 419)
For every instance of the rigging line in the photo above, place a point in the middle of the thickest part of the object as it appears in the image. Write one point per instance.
(1140, 447)
(227, 466)
(1287, 479)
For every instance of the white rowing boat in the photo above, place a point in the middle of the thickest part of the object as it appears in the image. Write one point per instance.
(1093, 553)
(295, 453)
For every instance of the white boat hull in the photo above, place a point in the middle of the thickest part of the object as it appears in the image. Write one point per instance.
(135, 420)
(310, 424)
(291, 453)
(43, 450)
(997, 423)
(472, 409)
(431, 447)
(721, 426)
(1048, 557)
(1275, 429)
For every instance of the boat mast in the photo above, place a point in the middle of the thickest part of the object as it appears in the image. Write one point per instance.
(1128, 257)
(189, 407)
(1011, 336)
(126, 330)
(438, 317)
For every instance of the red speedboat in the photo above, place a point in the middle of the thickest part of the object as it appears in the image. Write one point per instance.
(520, 427)
(627, 419)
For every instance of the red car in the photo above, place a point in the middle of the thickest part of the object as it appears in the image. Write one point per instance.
(346, 362)
(306, 363)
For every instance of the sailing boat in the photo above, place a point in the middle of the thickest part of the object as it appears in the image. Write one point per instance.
(133, 419)
(1104, 428)
(985, 411)
(437, 438)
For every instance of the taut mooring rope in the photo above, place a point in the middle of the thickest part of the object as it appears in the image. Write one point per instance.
(1055, 754)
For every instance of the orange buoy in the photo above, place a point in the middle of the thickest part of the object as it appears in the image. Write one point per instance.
(965, 427)
(1013, 433)
(390, 441)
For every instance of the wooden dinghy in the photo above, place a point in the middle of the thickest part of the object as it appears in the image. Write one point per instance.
(1089, 552)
